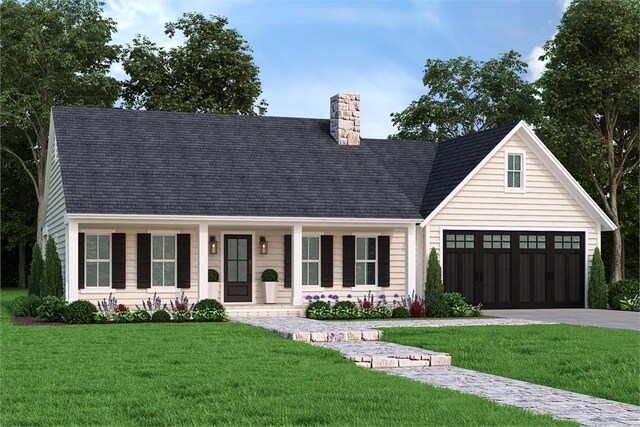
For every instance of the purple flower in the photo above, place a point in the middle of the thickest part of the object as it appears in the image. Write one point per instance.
(349, 296)
(395, 295)
(308, 297)
(322, 296)
(382, 296)
(316, 297)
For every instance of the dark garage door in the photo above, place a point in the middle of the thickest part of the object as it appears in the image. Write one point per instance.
(506, 269)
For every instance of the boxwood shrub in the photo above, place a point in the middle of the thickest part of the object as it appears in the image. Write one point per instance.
(439, 308)
(80, 311)
(214, 276)
(161, 316)
(269, 275)
(400, 313)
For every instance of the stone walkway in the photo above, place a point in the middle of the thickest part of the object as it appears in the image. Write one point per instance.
(586, 410)
(435, 323)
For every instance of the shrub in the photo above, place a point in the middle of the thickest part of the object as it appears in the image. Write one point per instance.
(181, 316)
(384, 312)
(433, 285)
(417, 309)
(632, 304)
(269, 275)
(161, 316)
(597, 291)
(208, 304)
(623, 290)
(439, 308)
(214, 276)
(454, 299)
(345, 310)
(209, 315)
(80, 311)
(51, 283)
(102, 317)
(400, 313)
(318, 310)
(51, 309)
(25, 305)
(139, 316)
(35, 272)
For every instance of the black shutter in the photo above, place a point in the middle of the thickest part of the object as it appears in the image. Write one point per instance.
(144, 260)
(348, 261)
(326, 261)
(184, 260)
(383, 261)
(287, 260)
(118, 260)
(80, 260)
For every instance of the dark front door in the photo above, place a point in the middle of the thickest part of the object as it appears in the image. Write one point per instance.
(237, 268)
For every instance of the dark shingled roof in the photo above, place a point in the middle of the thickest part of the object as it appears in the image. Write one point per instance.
(165, 163)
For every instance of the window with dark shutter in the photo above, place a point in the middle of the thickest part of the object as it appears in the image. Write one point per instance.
(184, 260)
(118, 260)
(348, 261)
(326, 261)
(287, 260)
(144, 260)
(384, 261)
(80, 260)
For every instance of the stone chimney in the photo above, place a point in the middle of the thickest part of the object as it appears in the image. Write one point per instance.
(345, 118)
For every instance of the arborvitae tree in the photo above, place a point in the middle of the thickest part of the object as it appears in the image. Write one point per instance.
(35, 273)
(597, 284)
(52, 277)
(433, 285)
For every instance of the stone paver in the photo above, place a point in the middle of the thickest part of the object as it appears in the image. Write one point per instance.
(380, 354)
(586, 410)
(575, 316)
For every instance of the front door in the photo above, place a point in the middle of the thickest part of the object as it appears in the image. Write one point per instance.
(237, 268)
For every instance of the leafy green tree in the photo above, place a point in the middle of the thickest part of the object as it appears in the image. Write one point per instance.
(590, 91)
(212, 72)
(466, 96)
(598, 289)
(433, 285)
(36, 271)
(53, 52)
(51, 283)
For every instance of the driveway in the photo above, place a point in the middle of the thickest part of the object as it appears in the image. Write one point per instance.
(575, 316)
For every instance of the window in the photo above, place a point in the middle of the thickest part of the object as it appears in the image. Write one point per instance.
(366, 260)
(566, 242)
(163, 261)
(532, 242)
(460, 241)
(514, 171)
(496, 241)
(98, 260)
(310, 261)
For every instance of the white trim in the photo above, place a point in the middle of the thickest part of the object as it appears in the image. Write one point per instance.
(365, 234)
(203, 261)
(586, 269)
(166, 232)
(296, 264)
(552, 164)
(410, 254)
(99, 231)
(254, 282)
(599, 236)
(72, 263)
(523, 179)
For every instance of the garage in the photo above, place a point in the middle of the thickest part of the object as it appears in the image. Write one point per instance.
(516, 269)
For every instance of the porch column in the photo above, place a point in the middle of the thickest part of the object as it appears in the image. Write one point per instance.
(203, 261)
(296, 265)
(71, 284)
(411, 259)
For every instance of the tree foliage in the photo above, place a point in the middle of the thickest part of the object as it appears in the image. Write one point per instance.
(36, 270)
(466, 96)
(433, 285)
(598, 289)
(590, 91)
(212, 72)
(54, 52)
(51, 283)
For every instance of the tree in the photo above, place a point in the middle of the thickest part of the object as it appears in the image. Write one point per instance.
(51, 283)
(433, 285)
(466, 96)
(35, 273)
(212, 72)
(598, 289)
(590, 91)
(53, 52)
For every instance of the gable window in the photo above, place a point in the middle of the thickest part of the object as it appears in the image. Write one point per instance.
(366, 260)
(163, 260)
(515, 176)
(310, 261)
(98, 260)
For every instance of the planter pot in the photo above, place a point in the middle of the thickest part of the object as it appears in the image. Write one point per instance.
(215, 291)
(270, 292)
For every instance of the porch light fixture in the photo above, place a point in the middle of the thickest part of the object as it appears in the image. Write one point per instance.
(213, 245)
(264, 246)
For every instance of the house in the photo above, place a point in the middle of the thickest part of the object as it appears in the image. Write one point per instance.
(143, 202)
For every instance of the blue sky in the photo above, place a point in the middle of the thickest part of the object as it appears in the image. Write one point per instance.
(308, 51)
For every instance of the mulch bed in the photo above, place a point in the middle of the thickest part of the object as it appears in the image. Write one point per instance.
(34, 321)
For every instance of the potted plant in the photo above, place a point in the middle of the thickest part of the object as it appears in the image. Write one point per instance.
(214, 284)
(270, 281)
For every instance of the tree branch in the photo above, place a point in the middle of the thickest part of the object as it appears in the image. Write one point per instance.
(595, 182)
(24, 165)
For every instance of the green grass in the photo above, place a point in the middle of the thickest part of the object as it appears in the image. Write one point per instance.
(208, 373)
(595, 361)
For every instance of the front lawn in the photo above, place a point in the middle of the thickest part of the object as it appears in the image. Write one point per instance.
(598, 362)
(210, 373)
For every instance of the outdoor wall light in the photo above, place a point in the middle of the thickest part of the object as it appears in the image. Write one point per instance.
(264, 246)
(213, 245)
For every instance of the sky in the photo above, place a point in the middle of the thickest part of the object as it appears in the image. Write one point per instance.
(308, 51)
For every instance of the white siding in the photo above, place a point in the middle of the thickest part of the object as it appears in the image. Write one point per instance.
(483, 203)
(56, 211)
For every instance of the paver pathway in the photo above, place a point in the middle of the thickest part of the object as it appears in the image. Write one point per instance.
(586, 410)
(436, 323)
(575, 316)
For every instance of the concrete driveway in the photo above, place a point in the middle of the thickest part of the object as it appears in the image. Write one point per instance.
(575, 316)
